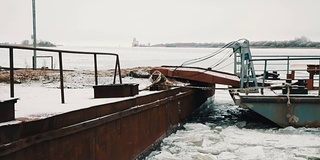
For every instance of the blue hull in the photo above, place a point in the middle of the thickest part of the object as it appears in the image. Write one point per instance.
(303, 111)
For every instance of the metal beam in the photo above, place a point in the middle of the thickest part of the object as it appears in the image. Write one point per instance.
(34, 34)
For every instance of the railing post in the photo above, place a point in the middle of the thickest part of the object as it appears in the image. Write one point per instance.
(319, 80)
(288, 64)
(52, 62)
(117, 68)
(11, 73)
(264, 72)
(95, 69)
(61, 77)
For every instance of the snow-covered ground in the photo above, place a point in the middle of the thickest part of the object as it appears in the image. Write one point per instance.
(42, 99)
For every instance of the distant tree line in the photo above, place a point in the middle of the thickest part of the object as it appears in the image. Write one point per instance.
(193, 45)
(301, 42)
(297, 42)
(40, 43)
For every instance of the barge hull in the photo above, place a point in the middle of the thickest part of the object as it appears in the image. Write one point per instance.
(119, 130)
(303, 111)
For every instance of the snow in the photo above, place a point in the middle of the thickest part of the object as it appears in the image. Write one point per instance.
(39, 100)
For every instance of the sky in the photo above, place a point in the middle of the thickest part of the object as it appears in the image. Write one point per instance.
(117, 22)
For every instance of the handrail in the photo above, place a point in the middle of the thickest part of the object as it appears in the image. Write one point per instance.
(51, 58)
(288, 59)
(282, 59)
(60, 53)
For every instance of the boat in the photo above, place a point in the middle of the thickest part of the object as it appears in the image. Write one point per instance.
(287, 96)
(280, 92)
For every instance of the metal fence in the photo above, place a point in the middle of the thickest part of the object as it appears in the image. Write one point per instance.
(60, 53)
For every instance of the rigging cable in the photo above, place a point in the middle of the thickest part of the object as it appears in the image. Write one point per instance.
(223, 59)
(196, 60)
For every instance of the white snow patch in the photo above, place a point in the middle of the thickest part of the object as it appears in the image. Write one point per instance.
(37, 100)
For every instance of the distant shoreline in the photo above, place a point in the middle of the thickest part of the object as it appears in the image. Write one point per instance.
(257, 47)
(302, 42)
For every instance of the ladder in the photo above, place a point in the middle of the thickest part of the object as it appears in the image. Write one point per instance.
(243, 67)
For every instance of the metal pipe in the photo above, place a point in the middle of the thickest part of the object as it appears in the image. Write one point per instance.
(51, 62)
(265, 71)
(61, 77)
(51, 57)
(119, 70)
(115, 71)
(11, 73)
(11, 47)
(95, 69)
(288, 63)
(283, 59)
(34, 34)
(56, 50)
(318, 81)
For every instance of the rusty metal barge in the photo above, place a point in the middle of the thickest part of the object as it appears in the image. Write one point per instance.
(123, 129)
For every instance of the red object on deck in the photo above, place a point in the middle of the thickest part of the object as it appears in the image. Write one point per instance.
(199, 75)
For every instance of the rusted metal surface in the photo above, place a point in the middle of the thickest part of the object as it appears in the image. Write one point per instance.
(199, 74)
(115, 90)
(303, 111)
(313, 70)
(7, 109)
(119, 130)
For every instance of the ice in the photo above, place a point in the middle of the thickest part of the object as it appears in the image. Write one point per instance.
(197, 126)
(255, 152)
(202, 142)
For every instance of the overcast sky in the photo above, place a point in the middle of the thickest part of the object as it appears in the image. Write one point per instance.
(117, 22)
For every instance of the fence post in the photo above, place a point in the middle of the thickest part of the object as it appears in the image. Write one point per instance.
(117, 68)
(11, 73)
(61, 77)
(95, 69)
(264, 72)
(319, 80)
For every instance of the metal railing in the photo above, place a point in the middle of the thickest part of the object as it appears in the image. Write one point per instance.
(51, 59)
(287, 59)
(60, 53)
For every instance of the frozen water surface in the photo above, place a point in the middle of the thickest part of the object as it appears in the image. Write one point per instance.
(219, 130)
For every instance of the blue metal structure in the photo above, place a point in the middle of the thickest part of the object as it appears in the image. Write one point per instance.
(243, 67)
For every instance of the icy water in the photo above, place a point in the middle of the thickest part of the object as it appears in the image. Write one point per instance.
(218, 130)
